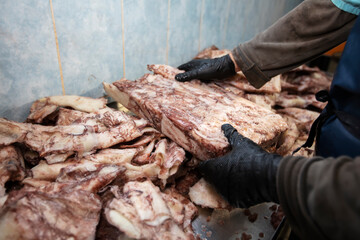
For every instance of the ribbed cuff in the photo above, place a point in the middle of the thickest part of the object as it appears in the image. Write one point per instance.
(272, 176)
(292, 192)
(252, 72)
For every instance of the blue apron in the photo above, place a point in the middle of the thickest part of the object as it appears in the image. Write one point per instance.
(337, 129)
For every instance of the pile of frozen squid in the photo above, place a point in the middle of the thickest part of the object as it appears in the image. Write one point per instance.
(79, 169)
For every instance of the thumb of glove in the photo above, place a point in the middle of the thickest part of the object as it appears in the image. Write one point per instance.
(215, 171)
(209, 167)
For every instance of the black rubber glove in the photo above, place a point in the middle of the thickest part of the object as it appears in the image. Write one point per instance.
(246, 175)
(207, 69)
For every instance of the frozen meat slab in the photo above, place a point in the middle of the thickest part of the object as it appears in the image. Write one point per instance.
(191, 113)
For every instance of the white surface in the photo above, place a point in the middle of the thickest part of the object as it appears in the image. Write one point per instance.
(230, 225)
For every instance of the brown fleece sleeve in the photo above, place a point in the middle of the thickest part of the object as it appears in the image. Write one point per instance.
(320, 196)
(309, 30)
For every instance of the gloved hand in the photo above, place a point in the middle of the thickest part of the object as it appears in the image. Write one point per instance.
(207, 69)
(246, 175)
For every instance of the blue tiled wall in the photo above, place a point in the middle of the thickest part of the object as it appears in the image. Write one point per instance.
(90, 36)
(28, 63)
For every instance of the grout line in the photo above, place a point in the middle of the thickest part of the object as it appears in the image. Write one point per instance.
(167, 34)
(57, 48)
(123, 34)
(201, 20)
(226, 23)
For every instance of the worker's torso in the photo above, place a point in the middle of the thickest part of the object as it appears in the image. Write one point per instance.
(340, 133)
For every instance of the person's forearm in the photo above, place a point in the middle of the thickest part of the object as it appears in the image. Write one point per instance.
(320, 197)
(309, 30)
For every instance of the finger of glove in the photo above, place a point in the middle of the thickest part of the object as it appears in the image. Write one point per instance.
(193, 64)
(187, 66)
(186, 76)
(236, 139)
(231, 134)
